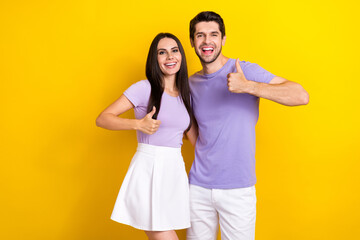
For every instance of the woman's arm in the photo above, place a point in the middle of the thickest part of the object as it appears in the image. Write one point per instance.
(109, 119)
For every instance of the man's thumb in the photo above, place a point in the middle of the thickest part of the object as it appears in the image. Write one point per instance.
(238, 67)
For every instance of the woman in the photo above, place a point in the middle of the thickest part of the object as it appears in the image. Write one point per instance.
(154, 195)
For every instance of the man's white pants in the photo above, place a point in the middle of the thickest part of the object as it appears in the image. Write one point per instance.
(234, 209)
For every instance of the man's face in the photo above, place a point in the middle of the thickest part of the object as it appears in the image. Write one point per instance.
(207, 41)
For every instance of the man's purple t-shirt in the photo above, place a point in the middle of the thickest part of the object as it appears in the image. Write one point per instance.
(225, 148)
(173, 116)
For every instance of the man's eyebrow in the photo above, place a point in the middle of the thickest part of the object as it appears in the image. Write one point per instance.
(210, 32)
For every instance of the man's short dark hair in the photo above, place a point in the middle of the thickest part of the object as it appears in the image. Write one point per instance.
(207, 16)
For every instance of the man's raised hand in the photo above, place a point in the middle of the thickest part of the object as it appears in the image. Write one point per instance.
(237, 83)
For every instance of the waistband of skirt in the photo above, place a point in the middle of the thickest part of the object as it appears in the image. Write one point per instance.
(153, 149)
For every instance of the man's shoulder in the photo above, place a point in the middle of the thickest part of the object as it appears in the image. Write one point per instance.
(196, 74)
(195, 77)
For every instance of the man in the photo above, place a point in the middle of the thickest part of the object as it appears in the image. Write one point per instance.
(225, 96)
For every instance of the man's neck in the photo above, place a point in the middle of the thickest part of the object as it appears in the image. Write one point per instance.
(209, 68)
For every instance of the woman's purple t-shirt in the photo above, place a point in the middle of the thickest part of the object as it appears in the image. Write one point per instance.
(173, 116)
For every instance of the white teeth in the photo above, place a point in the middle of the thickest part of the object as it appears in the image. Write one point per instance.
(206, 49)
(170, 64)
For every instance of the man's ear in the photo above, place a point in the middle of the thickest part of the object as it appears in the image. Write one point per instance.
(223, 41)
(192, 42)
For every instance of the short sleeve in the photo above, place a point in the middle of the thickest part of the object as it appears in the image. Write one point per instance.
(254, 72)
(139, 93)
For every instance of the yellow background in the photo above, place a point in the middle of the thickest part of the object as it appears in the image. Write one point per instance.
(63, 62)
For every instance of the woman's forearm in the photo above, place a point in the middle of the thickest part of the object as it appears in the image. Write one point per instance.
(112, 122)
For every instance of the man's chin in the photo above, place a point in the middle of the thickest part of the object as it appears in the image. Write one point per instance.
(209, 59)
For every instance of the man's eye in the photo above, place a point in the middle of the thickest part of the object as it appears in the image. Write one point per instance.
(199, 35)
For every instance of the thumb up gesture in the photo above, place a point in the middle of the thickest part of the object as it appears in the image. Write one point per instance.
(147, 124)
(237, 83)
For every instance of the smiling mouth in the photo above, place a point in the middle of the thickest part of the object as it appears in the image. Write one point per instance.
(207, 50)
(170, 65)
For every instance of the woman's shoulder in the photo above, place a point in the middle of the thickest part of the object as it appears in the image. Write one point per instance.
(144, 82)
(142, 85)
(139, 92)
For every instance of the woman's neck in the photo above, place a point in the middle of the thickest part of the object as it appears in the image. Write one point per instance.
(169, 85)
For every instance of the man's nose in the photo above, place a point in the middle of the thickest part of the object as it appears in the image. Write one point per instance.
(207, 39)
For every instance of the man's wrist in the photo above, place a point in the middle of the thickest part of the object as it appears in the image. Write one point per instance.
(250, 87)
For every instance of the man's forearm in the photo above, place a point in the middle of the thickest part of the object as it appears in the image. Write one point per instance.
(287, 93)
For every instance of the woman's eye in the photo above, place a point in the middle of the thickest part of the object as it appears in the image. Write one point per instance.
(176, 50)
(161, 52)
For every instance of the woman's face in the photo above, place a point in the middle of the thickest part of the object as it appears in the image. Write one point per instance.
(168, 56)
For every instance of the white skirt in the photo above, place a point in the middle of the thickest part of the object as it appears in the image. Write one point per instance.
(154, 195)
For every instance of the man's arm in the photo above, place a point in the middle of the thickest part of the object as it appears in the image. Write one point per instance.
(278, 90)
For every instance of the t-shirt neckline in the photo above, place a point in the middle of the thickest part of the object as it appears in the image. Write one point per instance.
(171, 96)
(211, 75)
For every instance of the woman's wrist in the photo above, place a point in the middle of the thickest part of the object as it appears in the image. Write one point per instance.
(137, 123)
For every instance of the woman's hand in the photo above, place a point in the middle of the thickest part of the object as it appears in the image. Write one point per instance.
(147, 124)
(193, 133)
